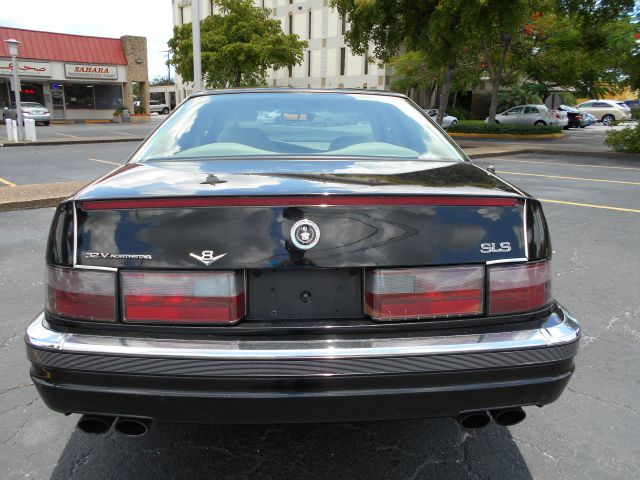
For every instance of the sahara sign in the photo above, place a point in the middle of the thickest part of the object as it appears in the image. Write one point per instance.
(104, 72)
(26, 69)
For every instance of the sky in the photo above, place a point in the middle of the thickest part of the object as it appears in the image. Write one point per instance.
(100, 18)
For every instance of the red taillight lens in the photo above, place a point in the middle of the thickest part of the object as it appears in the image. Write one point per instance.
(396, 294)
(520, 288)
(81, 294)
(193, 297)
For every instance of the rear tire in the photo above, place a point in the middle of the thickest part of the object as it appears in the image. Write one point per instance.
(608, 120)
(540, 123)
(165, 111)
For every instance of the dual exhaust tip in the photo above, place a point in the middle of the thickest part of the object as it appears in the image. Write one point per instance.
(98, 424)
(505, 417)
(136, 427)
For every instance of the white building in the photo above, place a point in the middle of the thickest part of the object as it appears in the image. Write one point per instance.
(328, 61)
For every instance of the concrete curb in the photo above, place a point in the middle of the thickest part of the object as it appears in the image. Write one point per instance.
(499, 136)
(547, 151)
(72, 142)
(39, 195)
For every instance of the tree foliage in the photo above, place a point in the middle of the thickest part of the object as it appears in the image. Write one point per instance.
(585, 46)
(440, 30)
(238, 45)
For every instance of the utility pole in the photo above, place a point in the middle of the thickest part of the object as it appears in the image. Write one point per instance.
(13, 51)
(197, 57)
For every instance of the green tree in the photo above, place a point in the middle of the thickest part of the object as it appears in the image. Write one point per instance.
(443, 31)
(238, 45)
(500, 25)
(592, 56)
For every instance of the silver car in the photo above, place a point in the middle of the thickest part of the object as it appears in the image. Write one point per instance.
(30, 110)
(447, 121)
(531, 115)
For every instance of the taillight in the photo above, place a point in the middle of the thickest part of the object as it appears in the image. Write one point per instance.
(183, 297)
(81, 294)
(520, 288)
(396, 294)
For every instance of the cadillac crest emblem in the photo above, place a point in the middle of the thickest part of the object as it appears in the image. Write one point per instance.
(305, 234)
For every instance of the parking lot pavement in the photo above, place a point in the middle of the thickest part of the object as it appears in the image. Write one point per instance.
(590, 433)
(78, 131)
(57, 163)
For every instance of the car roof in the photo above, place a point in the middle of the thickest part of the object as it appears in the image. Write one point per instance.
(298, 90)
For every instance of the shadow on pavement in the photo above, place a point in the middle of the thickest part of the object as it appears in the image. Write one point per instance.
(418, 449)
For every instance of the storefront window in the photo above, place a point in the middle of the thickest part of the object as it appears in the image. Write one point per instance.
(78, 95)
(108, 97)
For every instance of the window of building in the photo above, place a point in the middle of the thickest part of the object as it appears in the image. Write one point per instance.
(107, 97)
(343, 26)
(343, 59)
(79, 95)
(309, 26)
(212, 5)
(290, 24)
(308, 63)
(181, 15)
(290, 71)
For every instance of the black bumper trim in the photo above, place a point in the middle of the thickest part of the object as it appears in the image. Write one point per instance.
(298, 367)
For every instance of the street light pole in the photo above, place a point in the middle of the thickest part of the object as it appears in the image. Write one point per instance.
(197, 58)
(13, 51)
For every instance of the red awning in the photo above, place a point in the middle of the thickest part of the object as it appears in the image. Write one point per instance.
(62, 47)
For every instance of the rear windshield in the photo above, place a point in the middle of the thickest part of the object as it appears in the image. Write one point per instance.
(297, 124)
(31, 105)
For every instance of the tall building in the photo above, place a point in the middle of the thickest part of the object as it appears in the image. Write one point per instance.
(328, 61)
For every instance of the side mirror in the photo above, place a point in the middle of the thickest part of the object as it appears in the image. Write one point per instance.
(491, 169)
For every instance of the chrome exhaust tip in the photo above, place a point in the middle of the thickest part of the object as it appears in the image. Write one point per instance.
(132, 427)
(508, 416)
(95, 424)
(473, 420)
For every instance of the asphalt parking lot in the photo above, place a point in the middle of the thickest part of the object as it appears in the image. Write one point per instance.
(75, 131)
(593, 207)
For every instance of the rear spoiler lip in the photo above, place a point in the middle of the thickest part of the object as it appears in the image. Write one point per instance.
(299, 201)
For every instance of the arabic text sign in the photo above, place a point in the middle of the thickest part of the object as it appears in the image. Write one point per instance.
(26, 69)
(105, 72)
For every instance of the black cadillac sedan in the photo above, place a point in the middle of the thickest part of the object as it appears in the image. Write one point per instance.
(348, 263)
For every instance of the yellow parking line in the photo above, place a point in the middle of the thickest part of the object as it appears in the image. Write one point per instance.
(7, 182)
(561, 177)
(566, 164)
(104, 161)
(589, 205)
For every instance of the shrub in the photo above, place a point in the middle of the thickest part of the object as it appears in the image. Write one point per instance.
(625, 140)
(460, 113)
(138, 109)
(499, 128)
(118, 111)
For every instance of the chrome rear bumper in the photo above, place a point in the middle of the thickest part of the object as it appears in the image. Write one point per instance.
(559, 329)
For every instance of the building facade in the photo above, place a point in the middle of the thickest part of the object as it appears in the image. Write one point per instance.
(74, 76)
(328, 61)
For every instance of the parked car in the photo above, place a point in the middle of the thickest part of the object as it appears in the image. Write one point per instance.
(606, 111)
(530, 115)
(574, 116)
(155, 107)
(590, 119)
(633, 105)
(30, 110)
(447, 121)
(158, 107)
(237, 272)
